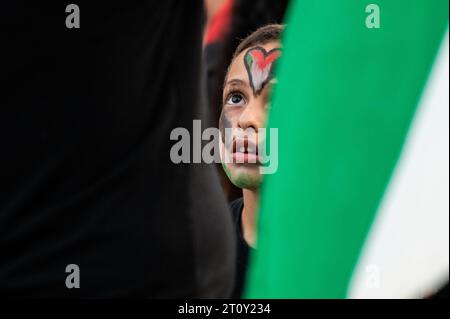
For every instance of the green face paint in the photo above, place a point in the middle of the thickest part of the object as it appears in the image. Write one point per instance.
(243, 179)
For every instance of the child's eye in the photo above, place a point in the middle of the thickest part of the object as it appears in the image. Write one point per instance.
(235, 99)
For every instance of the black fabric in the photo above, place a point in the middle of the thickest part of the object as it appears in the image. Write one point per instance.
(243, 250)
(85, 172)
(442, 293)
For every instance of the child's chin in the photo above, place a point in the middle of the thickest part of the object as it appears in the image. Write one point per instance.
(249, 180)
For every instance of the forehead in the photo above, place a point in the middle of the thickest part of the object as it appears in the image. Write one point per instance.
(237, 68)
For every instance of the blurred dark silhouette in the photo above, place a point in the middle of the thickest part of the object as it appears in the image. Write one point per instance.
(86, 176)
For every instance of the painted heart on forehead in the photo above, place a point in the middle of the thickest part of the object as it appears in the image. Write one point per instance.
(259, 63)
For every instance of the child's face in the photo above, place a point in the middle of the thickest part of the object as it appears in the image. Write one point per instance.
(246, 97)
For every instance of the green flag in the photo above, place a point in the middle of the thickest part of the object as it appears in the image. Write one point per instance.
(350, 80)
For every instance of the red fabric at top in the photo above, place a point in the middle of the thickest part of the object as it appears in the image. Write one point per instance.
(219, 24)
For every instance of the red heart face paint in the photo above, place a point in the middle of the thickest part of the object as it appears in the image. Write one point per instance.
(259, 64)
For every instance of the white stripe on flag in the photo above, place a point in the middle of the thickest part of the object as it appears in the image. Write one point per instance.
(407, 251)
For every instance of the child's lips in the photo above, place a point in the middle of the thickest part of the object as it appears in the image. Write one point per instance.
(245, 158)
(245, 151)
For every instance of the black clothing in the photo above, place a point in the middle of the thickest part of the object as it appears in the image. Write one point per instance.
(243, 250)
(85, 170)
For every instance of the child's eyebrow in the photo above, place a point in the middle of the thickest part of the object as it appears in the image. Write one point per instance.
(236, 82)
